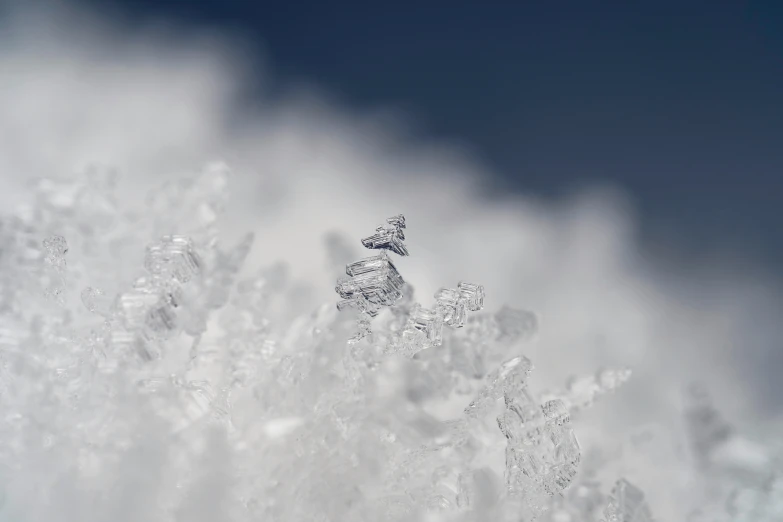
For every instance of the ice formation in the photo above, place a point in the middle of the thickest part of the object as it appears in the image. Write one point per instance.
(389, 236)
(155, 366)
(374, 283)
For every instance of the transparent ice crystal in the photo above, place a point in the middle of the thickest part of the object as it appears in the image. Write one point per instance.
(542, 453)
(389, 236)
(374, 283)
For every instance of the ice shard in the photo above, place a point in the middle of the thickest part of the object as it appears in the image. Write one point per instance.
(374, 279)
(510, 379)
(473, 294)
(173, 256)
(428, 322)
(389, 236)
(374, 282)
(542, 452)
(452, 306)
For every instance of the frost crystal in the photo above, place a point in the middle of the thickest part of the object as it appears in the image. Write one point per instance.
(452, 307)
(542, 453)
(374, 282)
(172, 257)
(389, 236)
(428, 322)
(150, 311)
(508, 380)
(473, 295)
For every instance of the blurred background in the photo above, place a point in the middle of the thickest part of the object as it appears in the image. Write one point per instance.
(614, 167)
(676, 103)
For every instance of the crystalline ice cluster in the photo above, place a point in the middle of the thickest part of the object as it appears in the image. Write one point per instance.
(389, 236)
(155, 376)
(374, 282)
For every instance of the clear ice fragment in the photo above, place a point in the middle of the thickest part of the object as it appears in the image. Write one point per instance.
(509, 380)
(397, 221)
(173, 256)
(555, 411)
(360, 303)
(374, 279)
(473, 294)
(374, 282)
(369, 265)
(452, 306)
(428, 322)
(389, 236)
(542, 451)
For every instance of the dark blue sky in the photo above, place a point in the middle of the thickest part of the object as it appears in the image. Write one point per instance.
(679, 102)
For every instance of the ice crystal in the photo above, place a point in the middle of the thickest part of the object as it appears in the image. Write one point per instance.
(389, 236)
(510, 379)
(172, 257)
(473, 295)
(542, 452)
(374, 283)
